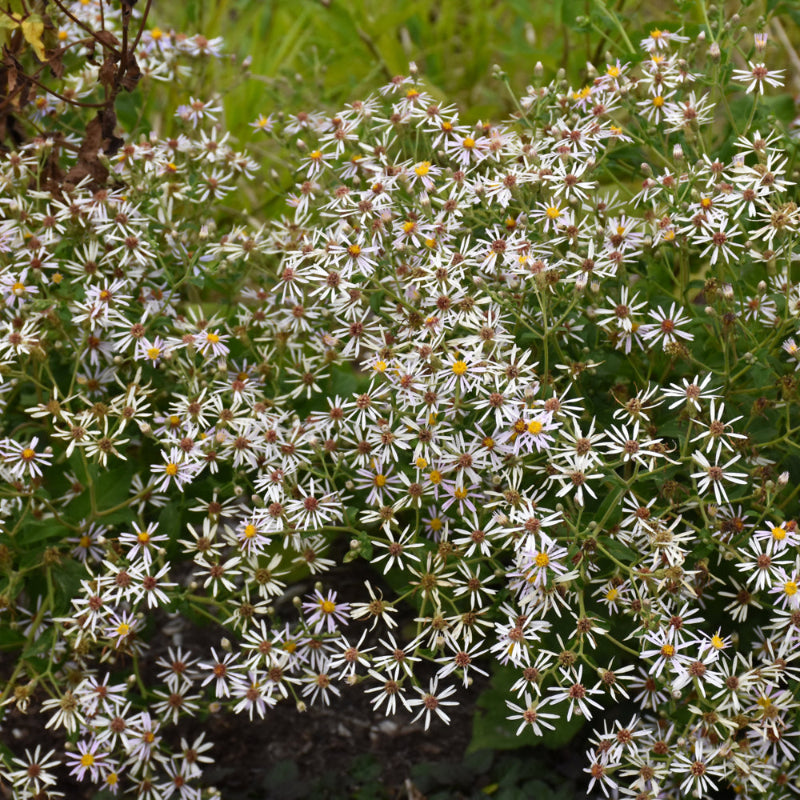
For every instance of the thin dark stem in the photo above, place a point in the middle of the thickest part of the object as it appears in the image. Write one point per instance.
(145, 14)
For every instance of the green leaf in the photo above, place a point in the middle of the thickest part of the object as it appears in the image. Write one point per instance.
(39, 532)
(620, 551)
(67, 579)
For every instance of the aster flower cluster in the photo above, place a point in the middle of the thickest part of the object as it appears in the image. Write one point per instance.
(551, 406)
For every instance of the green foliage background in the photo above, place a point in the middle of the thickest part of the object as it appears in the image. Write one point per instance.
(318, 54)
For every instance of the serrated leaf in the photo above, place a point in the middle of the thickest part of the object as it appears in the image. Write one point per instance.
(32, 30)
(365, 545)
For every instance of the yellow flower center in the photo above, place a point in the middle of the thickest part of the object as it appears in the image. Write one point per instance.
(542, 560)
(171, 469)
(85, 541)
(779, 533)
(667, 651)
(87, 759)
(459, 367)
(658, 101)
(327, 606)
(380, 480)
(535, 427)
(315, 155)
(553, 212)
(613, 72)
(790, 588)
(143, 537)
(612, 595)
(156, 33)
(153, 353)
(28, 454)
(354, 250)
(468, 143)
(717, 642)
(123, 629)
(421, 463)
(423, 168)
(460, 493)
(212, 337)
(436, 524)
(18, 288)
(249, 531)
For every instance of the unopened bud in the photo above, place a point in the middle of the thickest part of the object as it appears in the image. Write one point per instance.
(714, 52)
